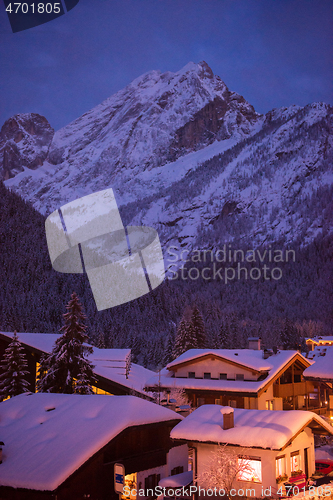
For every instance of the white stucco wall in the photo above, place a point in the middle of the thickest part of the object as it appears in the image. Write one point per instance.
(176, 457)
(268, 396)
(215, 367)
(268, 466)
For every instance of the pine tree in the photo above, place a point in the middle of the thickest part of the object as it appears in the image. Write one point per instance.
(168, 353)
(100, 341)
(83, 380)
(190, 333)
(67, 370)
(233, 328)
(14, 366)
(223, 336)
(185, 339)
(197, 323)
(289, 335)
(181, 339)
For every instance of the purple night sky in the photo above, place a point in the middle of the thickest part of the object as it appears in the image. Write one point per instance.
(274, 53)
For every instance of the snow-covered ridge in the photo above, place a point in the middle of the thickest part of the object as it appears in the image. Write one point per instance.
(186, 155)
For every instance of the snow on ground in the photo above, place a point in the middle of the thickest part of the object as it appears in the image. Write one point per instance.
(252, 428)
(178, 480)
(49, 436)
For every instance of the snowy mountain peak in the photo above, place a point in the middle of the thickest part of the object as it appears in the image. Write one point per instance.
(191, 158)
(24, 142)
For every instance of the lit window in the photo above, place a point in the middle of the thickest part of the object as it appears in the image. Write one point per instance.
(249, 469)
(280, 464)
(270, 404)
(295, 461)
(130, 482)
(191, 456)
(97, 390)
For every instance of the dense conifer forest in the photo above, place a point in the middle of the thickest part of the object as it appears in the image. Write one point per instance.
(33, 296)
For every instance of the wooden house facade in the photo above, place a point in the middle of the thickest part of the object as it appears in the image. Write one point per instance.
(242, 378)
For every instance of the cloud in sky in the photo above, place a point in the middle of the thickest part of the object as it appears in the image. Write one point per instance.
(273, 53)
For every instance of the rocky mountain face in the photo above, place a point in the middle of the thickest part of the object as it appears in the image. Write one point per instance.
(189, 157)
(24, 142)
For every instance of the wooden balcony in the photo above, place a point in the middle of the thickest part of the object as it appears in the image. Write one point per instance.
(295, 389)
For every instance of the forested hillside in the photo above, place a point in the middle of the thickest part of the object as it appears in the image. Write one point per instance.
(33, 296)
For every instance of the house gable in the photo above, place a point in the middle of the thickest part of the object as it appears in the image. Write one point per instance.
(289, 373)
(217, 366)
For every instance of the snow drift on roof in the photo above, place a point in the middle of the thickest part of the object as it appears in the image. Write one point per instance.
(252, 428)
(322, 367)
(41, 341)
(43, 448)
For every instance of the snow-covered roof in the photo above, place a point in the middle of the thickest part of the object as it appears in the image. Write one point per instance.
(108, 363)
(319, 350)
(41, 341)
(249, 358)
(320, 339)
(272, 365)
(112, 355)
(322, 368)
(74, 428)
(136, 379)
(252, 428)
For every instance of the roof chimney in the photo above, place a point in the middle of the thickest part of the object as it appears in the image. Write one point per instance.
(228, 417)
(1, 445)
(254, 343)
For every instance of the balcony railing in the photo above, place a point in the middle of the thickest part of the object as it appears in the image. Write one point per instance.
(287, 390)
